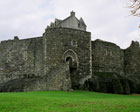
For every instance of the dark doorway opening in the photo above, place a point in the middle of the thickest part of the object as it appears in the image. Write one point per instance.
(69, 59)
(73, 72)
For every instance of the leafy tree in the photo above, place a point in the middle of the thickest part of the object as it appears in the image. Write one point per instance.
(135, 8)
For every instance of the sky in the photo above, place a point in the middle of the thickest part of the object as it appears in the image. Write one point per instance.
(108, 20)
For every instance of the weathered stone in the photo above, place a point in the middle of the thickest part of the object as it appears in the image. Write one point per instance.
(132, 59)
(68, 48)
(63, 61)
(107, 57)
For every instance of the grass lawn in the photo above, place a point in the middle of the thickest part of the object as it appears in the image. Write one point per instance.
(59, 101)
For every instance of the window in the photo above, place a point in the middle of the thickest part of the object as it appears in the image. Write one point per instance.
(78, 25)
(74, 43)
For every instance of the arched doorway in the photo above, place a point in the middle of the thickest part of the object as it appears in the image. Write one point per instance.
(72, 68)
(71, 58)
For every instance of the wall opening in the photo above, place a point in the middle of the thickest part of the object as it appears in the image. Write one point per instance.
(73, 72)
(69, 60)
(70, 56)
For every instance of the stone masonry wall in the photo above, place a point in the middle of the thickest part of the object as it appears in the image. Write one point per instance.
(132, 59)
(61, 59)
(107, 57)
(61, 44)
(20, 58)
(58, 79)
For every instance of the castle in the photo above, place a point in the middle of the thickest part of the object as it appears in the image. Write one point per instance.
(63, 58)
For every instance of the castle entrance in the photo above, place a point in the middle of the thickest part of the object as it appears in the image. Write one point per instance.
(71, 58)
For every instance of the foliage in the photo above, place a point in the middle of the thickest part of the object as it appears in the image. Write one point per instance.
(135, 6)
(59, 101)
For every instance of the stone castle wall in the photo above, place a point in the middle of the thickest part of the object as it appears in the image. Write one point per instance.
(21, 58)
(38, 61)
(62, 58)
(115, 70)
(21, 67)
(109, 58)
(132, 59)
(62, 44)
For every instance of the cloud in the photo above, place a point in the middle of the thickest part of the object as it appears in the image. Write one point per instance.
(23, 19)
(107, 19)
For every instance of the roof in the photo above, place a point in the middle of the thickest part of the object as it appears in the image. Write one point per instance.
(80, 21)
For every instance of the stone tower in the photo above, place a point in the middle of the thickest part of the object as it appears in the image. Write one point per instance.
(71, 46)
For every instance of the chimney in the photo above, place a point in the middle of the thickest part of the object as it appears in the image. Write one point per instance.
(72, 13)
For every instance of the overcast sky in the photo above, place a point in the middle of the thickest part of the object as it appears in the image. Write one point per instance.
(108, 20)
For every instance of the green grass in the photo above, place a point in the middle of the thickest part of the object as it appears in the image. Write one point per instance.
(59, 101)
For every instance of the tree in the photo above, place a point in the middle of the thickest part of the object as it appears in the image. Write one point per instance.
(135, 7)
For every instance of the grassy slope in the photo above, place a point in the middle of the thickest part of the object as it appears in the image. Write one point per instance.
(58, 101)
